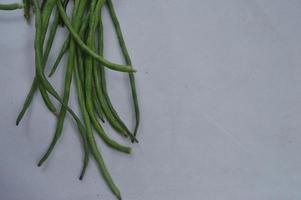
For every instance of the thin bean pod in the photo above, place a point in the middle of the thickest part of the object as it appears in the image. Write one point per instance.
(67, 84)
(92, 143)
(76, 37)
(89, 82)
(100, 84)
(12, 6)
(44, 81)
(128, 61)
(34, 85)
(86, 65)
(47, 10)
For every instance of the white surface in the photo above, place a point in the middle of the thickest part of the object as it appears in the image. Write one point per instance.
(220, 92)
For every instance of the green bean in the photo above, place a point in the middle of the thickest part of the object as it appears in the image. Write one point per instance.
(86, 65)
(127, 58)
(41, 76)
(89, 81)
(60, 56)
(96, 103)
(62, 113)
(51, 36)
(46, 99)
(34, 85)
(27, 101)
(11, 6)
(48, 7)
(108, 104)
(93, 146)
(113, 118)
(66, 44)
(99, 93)
(82, 132)
(38, 60)
(82, 45)
(104, 105)
(88, 88)
(46, 14)
(109, 111)
(67, 84)
(47, 10)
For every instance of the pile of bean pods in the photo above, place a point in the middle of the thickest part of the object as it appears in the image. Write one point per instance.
(86, 66)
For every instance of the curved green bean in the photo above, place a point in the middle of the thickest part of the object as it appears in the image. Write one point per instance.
(93, 146)
(41, 76)
(82, 45)
(128, 61)
(86, 66)
(105, 102)
(34, 85)
(67, 84)
(89, 82)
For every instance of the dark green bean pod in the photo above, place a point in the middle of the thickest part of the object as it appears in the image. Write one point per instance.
(89, 82)
(92, 143)
(100, 85)
(44, 81)
(86, 65)
(84, 47)
(128, 61)
(46, 13)
(68, 78)
(34, 85)
(12, 6)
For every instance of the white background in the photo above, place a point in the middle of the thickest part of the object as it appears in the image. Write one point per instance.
(219, 84)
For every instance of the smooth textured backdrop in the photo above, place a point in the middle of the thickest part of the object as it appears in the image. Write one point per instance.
(220, 94)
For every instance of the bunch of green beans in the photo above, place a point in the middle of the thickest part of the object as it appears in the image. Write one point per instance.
(86, 65)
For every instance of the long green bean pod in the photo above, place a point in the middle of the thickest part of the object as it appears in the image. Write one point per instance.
(82, 45)
(68, 78)
(42, 78)
(46, 13)
(100, 85)
(104, 106)
(34, 85)
(89, 82)
(12, 6)
(86, 65)
(93, 146)
(128, 61)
